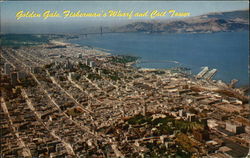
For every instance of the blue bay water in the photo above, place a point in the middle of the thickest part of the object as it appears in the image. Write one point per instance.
(227, 51)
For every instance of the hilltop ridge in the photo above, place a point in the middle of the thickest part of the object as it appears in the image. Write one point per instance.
(208, 23)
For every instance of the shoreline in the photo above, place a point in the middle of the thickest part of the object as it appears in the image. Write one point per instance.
(133, 64)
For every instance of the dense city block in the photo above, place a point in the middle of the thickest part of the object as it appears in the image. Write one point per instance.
(63, 100)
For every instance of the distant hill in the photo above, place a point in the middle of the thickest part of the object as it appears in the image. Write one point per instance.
(209, 23)
(240, 14)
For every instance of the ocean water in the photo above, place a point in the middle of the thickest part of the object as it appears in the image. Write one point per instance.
(226, 51)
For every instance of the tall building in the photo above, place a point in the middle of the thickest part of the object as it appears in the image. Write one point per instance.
(91, 64)
(99, 72)
(79, 55)
(7, 68)
(13, 78)
(21, 75)
(191, 117)
(182, 113)
(68, 65)
(144, 109)
(87, 61)
(35, 70)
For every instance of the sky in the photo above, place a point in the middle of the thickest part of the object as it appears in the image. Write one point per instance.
(9, 23)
